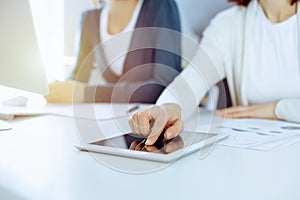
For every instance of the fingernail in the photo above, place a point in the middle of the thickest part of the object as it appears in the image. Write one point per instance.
(148, 142)
(168, 149)
(168, 135)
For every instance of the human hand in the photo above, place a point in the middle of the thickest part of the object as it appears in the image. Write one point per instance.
(264, 111)
(165, 146)
(64, 92)
(152, 121)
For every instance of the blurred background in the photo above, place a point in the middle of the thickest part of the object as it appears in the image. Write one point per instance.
(195, 16)
(57, 24)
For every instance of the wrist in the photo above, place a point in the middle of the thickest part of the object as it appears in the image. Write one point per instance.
(274, 106)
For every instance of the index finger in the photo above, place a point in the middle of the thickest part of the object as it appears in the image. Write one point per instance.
(160, 121)
(144, 119)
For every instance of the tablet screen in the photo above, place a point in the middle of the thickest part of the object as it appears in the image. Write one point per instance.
(135, 142)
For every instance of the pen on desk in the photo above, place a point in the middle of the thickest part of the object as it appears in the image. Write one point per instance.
(133, 108)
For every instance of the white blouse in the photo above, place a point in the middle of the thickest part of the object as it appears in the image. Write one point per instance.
(227, 50)
(274, 72)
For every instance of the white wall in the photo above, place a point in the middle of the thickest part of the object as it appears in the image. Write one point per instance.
(196, 14)
(73, 10)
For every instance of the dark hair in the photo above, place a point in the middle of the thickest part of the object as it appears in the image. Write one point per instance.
(246, 2)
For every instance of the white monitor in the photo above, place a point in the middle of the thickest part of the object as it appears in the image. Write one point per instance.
(21, 65)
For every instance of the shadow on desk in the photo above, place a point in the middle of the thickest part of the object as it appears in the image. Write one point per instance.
(6, 194)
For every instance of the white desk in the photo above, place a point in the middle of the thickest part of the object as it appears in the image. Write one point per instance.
(38, 161)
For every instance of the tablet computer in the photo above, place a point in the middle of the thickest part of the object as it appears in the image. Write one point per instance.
(132, 145)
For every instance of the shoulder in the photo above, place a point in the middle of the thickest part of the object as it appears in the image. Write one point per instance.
(160, 13)
(161, 7)
(91, 13)
(89, 18)
(226, 24)
(160, 4)
(229, 17)
(224, 30)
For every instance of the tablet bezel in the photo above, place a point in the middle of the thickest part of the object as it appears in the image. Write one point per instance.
(150, 155)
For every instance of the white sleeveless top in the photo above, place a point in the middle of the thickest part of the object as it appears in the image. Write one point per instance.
(117, 65)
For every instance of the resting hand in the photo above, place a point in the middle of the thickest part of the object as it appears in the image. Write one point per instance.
(264, 111)
(64, 92)
(165, 117)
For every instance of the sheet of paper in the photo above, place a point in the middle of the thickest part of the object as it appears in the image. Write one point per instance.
(256, 134)
(94, 111)
(81, 111)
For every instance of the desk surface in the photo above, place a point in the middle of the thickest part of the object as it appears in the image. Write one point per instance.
(38, 161)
